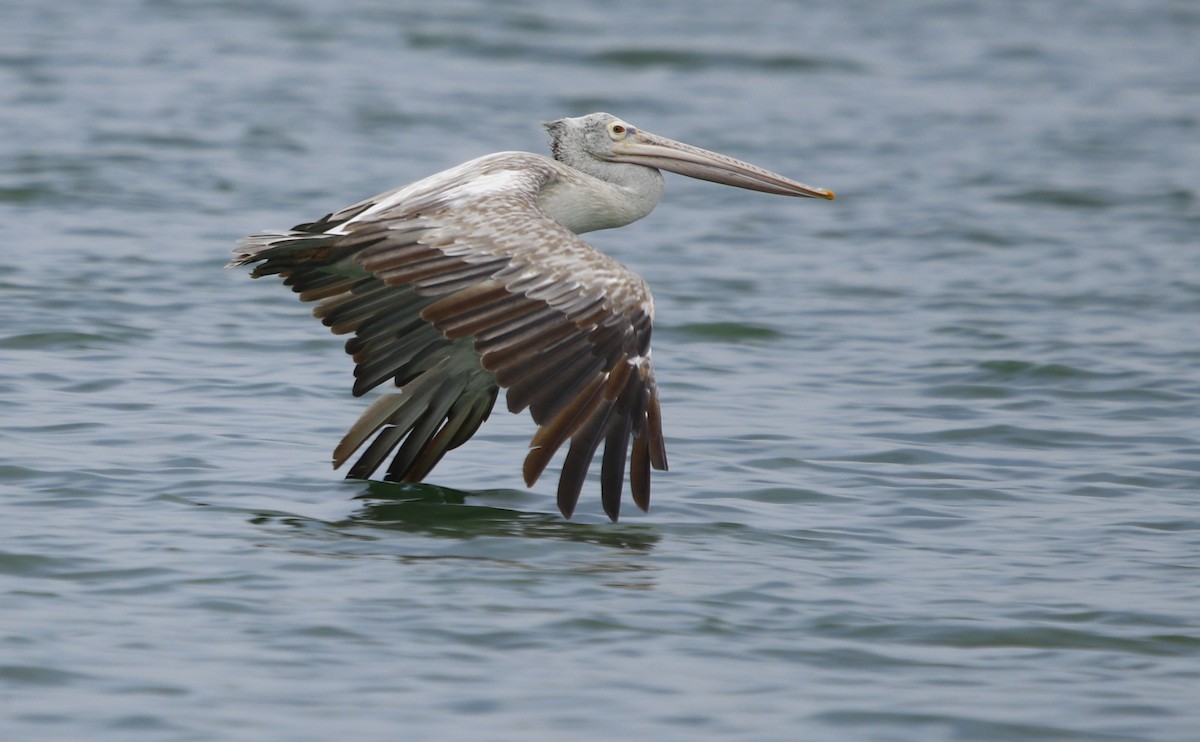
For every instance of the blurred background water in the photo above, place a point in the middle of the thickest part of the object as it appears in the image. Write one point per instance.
(935, 446)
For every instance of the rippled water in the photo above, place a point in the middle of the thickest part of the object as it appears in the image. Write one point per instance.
(935, 446)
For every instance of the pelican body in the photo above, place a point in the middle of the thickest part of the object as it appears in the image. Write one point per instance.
(474, 279)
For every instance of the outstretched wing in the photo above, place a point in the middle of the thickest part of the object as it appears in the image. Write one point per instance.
(459, 284)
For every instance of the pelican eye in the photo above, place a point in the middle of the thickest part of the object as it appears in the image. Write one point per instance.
(617, 131)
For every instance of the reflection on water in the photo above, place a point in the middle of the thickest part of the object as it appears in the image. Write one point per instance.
(441, 511)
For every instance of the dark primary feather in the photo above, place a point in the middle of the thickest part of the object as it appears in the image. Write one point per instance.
(452, 297)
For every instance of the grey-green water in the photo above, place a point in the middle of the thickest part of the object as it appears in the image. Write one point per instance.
(935, 446)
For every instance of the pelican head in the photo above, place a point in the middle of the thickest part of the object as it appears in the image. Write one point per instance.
(586, 141)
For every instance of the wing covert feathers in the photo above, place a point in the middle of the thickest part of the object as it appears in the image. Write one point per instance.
(454, 289)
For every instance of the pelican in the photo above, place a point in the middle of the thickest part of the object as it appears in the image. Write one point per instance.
(475, 279)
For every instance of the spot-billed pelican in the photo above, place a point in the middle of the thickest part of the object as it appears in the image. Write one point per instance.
(474, 279)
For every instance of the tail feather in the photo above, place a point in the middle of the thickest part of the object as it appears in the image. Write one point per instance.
(283, 252)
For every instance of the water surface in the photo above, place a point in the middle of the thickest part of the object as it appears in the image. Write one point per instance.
(935, 446)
